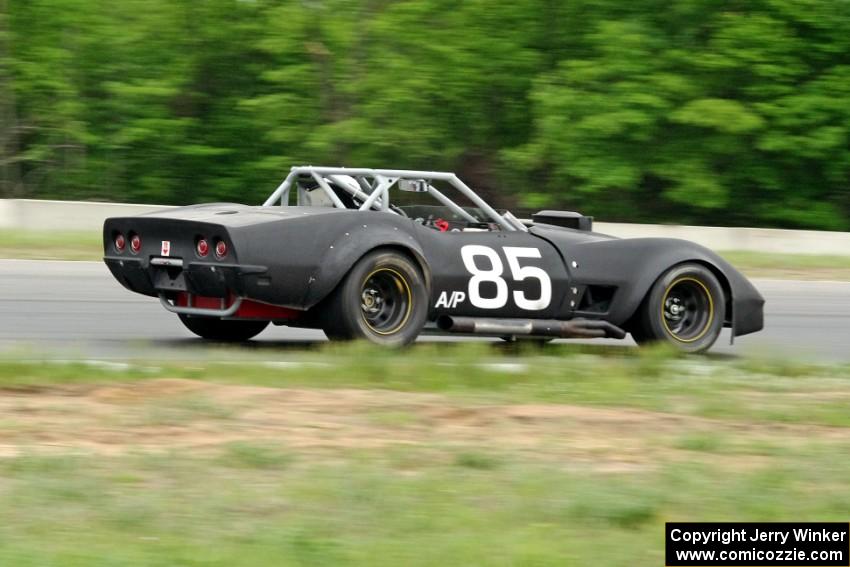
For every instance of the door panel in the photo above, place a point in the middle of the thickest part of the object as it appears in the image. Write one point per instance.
(494, 274)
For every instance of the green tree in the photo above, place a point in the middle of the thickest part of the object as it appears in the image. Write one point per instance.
(696, 111)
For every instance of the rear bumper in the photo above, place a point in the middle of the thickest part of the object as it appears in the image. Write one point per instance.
(199, 289)
(197, 278)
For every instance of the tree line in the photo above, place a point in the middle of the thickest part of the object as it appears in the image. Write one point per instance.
(693, 111)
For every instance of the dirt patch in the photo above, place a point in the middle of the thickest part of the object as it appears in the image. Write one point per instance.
(193, 415)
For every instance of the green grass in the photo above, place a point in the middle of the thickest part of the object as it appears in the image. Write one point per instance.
(182, 510)
(797, 266)
(51, 245)
(768, 388)
(701, 439)
(45, 245)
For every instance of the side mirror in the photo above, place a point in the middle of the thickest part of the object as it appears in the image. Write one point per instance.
(413, 185)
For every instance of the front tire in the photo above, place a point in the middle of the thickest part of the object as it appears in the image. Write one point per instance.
(685, 307)
(214, 329)
(383, 299)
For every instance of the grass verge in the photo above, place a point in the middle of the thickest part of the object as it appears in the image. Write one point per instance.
(791, 266)
(50, 245)
(765, 388)
(439, 455)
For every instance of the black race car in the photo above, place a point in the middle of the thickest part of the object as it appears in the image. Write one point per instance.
(330, 250)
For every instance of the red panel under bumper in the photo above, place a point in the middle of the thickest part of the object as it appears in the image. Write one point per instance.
(247, 310)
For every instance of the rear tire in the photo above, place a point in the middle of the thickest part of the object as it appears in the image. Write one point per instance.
(685, 307)
(334, 334)
(214, 329)
(383, 299)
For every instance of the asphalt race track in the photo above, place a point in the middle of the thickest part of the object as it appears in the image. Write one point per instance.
(76, 309)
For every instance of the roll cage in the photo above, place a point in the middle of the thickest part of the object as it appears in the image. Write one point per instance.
(371, 189)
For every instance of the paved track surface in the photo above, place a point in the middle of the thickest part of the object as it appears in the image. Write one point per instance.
(76, 309)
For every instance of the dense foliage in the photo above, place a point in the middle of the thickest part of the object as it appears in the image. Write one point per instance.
(690, 111)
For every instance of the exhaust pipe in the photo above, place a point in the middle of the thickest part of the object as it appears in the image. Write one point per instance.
(572, 329)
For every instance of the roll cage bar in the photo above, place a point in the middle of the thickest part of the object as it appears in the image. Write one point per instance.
(372, 188)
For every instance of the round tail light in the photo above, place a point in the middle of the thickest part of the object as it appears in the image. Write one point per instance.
(120, 242)
(220, 249)
(135, 243)
(203, 248)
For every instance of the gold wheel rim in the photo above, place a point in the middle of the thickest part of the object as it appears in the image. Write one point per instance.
(708, 321)
(403, 288)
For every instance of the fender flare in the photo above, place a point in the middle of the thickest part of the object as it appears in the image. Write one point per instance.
(634, 265)
(353, 244)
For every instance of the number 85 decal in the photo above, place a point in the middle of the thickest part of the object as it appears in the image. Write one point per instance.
(471, 252)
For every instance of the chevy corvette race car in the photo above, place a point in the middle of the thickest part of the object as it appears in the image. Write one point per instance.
(330, 249)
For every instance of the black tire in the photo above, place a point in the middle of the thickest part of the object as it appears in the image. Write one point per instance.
(214, 329)
(383, 299)
(685, 307)
(333, 333)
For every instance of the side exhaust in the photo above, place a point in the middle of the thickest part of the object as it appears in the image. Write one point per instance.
(572, 329)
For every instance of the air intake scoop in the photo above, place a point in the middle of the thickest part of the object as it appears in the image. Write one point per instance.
(566, 219)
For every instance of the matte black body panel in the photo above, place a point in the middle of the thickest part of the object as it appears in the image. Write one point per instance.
(449, 275)
(295, 256)
(633, 265)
